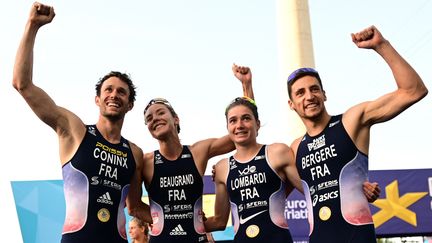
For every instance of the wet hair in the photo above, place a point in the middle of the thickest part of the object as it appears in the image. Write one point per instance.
(246, 101)
(141, 223)
(123, 77)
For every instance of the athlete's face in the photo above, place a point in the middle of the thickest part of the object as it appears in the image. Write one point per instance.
(242, 125)
(307, 97)
(160, 121)
(135, 231)
(113, 101)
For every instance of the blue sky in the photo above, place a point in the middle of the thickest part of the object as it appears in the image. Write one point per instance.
(183, 51)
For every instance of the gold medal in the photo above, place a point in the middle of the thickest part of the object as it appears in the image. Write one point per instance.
(103, 215)
(252, 231)
(324, 213)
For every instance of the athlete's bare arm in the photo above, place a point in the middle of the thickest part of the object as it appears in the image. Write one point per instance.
(410, 89)
(67, 125)
(244, 74)
(222, 205)
(281, 158)
(203, 150)
(371, 190)
(208, 148)
(136, 207)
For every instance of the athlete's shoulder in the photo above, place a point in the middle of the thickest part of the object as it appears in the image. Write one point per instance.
(356, 114)
(278, 147)
(222, 162)
(137, 155)
(280, 154)
(135, 149)
(220, 170)
(295, 144)
(148, 157)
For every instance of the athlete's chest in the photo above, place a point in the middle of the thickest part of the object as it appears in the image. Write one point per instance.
(322, 157)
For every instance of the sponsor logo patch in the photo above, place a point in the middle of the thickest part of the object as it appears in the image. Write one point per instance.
(178, 230)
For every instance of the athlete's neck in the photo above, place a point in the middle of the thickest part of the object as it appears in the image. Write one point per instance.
(111, 131)
(246, 153)
(170, 149)
(317, 125)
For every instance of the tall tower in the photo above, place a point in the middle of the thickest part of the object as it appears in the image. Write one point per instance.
(295, 49)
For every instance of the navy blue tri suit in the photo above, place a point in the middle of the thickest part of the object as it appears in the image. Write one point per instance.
(96, 182)
(175, 193)
(257, 195)
(332, 171)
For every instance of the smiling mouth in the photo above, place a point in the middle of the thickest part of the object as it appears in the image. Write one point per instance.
(112, 104)
(158, 125)
(311, 106)
(240, 133)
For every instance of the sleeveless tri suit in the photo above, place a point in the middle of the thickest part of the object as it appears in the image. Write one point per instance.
(96, 182)
(332, 171)
(176, 200)
(257, 196)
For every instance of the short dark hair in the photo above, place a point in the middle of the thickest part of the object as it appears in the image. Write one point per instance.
(123, 77)
(301, 72)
